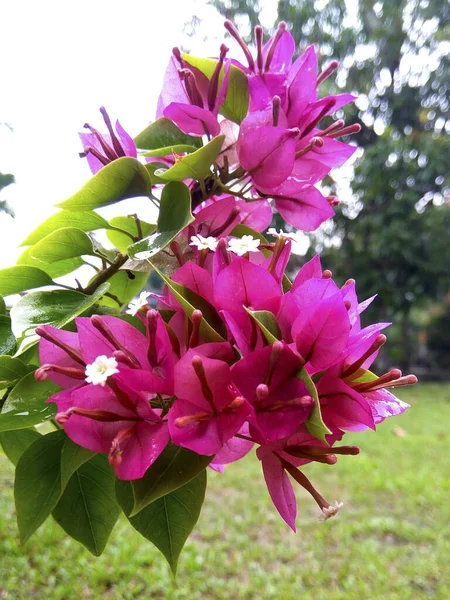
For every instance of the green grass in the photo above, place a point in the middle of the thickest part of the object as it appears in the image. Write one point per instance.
(390, 542)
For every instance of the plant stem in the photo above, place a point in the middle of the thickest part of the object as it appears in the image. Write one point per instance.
(106, 274)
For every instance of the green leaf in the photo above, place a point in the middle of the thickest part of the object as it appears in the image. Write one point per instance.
(314, 424)
(14, 443)
(267, 323)
(190, 301)
(14, 280)
(37, 486)
(7, 338)
(12, 370)
(120, 240)
(151, 170)
(72, 457)
(193, 166)
(57, 308)
(87, 509)
(124, 287)
(173, 468)
(26, 405)
(235, 106)
(121, 179)
(62, 244)
(85, 221)
(174, 215)
(179, 149)
(164, 134)
(167, 522)
(365, 377)
(2, 306)
(58, 269)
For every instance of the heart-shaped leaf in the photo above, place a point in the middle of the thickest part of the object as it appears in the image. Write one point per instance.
(235, 106)
(174, 215)
(193, 166)
(12, 370)
(14, 443)
(85, 221)
(72, 457)
(167, 522)
(7, 338)
(123, 178)
(121, 240)
(173, 468)
(26, 404)
(87, 509)
(54, 270)
(14, 280)
(62, 244)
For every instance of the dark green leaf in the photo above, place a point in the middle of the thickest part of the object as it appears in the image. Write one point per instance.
(7, 339)
(174, 215)
(85, 221)
(235, 106)
(120, 240)
(37, 486)
(314, 424)
(27, 404)
(172, 469)
(267, 323)
(12, 370)
(121, 179)
(87, 509)
(194, 166)
(2, 306)
(190, 301)
(167, 522)
(14, 443)
(62, 244)
(72, 457)
(14, 280)
(164, 134)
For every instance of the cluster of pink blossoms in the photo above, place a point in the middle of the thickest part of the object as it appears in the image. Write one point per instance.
(257, 361)
(127, 393)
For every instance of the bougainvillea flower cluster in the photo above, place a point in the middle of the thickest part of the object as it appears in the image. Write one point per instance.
(240, 354)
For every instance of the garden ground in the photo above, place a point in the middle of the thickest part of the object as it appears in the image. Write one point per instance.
(390, 542)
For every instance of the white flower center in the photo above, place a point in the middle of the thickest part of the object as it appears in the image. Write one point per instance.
(241, 246)
(135, 305)
(202, 243)
(332, 510)
(300, 241)
(98, 372)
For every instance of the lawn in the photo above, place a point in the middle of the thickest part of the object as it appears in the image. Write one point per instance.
(390, 542)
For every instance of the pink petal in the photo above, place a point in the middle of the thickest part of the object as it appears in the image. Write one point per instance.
(172, 89)
(256, 215)
(192, 120)
(304, 210)
(142, 449)
(52, 354)
(333, 153)
(302, 80)
(126, 141)
(280, 489)
(311, 269)
(283, 53)
(384, 405)
(343, 407)
(194, 278)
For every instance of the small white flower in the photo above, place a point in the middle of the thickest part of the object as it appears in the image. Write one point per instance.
(241, 246)
(135, 305)
(102, 368)
(202, 243)
(299, 240)
(332, 510)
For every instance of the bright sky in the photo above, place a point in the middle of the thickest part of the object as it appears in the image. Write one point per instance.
(61, 62)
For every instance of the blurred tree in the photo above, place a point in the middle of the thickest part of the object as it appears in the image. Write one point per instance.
(5, 180)
(394, 56)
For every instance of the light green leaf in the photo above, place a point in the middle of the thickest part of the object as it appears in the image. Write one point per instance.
(124, 287)
(62, 244)
(121, 179)
(2, 306)
(37, 486)
(267, 323)
(235, 106)
(314, 424)
(167, 522)
(193, 166)
(174, 215)
(87, 509)
(164, 134)
(190, 301)
(365, 377)
(26, 405)
(14, 443)
(14, 280)
(58, 269)
(12, 370)
(7, 338)
(173, 468)
(85, 221)
(120, 240)
(178, 149)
